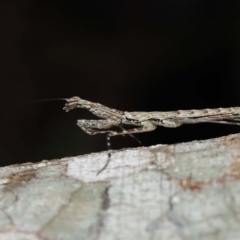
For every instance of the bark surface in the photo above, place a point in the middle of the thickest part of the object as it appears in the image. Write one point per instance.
(181, 191)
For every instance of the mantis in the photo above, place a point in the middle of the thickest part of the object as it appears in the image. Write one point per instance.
(144, 121)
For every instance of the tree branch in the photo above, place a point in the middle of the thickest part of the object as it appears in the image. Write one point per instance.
(181, 191)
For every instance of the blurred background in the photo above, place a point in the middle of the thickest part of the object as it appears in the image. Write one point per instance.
(130, 55)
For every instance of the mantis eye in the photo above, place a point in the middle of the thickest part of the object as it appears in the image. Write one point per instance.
(72, 103)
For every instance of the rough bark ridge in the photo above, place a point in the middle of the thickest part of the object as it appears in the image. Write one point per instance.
(182, 191)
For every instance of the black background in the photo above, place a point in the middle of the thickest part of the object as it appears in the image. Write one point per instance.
(130, 55)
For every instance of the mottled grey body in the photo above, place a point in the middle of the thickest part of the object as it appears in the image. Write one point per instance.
(145, 121)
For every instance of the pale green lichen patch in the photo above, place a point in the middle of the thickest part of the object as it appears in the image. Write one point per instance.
(38, 201)
(80, 218)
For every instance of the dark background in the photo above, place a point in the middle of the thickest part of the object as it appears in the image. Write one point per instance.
(130, 55)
